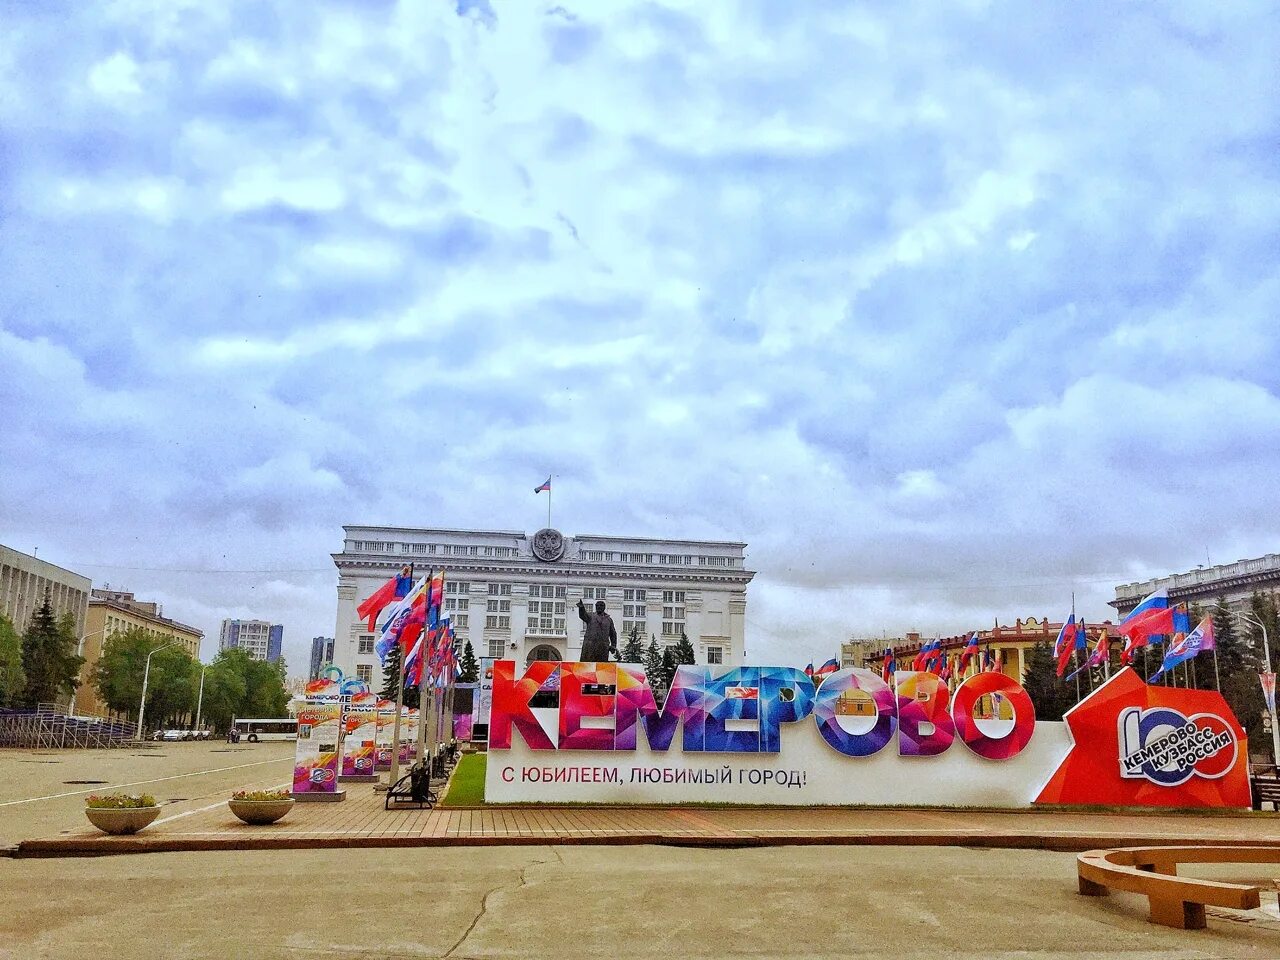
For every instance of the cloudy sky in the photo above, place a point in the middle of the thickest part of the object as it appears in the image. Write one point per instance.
(948, 310)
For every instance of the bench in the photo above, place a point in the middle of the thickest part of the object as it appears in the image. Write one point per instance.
(1265, 790)
(413, 788)
(1153, 872)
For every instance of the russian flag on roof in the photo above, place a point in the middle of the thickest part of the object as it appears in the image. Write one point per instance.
(546, 485)
(970, 651)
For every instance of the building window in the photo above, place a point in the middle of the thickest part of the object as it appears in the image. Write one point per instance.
(673, 613)
(593, 593)
(457, 586)
(497, 623)
(499, 589)
(633, 626)
(364, 671)
(673, 596)
(365, 644)
(634, 611)
(715, 655)
(495, 649)
(638, 595)
(672, 628)
(456, 603)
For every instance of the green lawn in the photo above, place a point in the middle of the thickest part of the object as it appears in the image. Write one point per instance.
(467, 786)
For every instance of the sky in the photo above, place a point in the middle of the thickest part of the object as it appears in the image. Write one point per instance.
(949, 311)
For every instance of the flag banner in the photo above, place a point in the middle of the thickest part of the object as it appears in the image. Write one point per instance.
(361, 732)
(394, 589)
(546, 485)
(1269, 689)
(1070, 639)
(1186, 648)
(315, 764)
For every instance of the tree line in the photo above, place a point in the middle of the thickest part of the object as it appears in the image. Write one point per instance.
(41, 666)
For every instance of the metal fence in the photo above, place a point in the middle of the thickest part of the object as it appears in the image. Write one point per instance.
(47, 727)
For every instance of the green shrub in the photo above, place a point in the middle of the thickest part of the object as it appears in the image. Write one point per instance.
(261, 795)
(119, 801)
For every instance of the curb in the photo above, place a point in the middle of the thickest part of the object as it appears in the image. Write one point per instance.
(103, 847)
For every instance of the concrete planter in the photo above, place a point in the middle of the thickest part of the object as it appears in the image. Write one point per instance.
(260, 812)
(126, 820)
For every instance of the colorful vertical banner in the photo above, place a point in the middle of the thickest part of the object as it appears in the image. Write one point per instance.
(315, 764)
(1269, 689)
(484, 700)
(358, 743)
(386, 731)
(409, 734)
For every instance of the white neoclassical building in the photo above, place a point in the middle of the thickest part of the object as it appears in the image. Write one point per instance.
(514, 595)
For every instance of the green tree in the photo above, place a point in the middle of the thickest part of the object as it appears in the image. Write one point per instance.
(633, 649)
(224, 690)
(1052, 697)
(468, 666)
(49, 659)
(653, 662)
(1232, 643)
(12, 680)
(682, 651)
(391, 680)
(668, 669)
(265, 694)
(171, 683)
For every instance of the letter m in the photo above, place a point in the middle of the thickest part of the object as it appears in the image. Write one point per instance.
(636, 706)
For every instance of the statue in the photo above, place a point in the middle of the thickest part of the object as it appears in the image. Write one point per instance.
(601, 638)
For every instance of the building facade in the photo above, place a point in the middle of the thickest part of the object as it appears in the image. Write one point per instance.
(1010, 643)
(115, 611)
(24, 581)
(321, 656)
(259, 639)
(514, 595)
(1237, 582)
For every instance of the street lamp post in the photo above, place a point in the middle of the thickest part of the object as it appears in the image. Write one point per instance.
(200, 698)
(1266, 655)
(146, 675)
(80, 653)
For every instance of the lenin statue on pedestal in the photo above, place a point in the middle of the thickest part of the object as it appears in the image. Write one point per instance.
(601, 638)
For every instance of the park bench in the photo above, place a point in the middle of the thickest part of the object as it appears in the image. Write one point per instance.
(1265, 790)
(413, 788)
(1153, 872)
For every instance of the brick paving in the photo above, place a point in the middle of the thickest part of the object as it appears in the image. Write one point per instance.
(361, 821)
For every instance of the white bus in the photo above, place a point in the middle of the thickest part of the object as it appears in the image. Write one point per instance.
(270, 729)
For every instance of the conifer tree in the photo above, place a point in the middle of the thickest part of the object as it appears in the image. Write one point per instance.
(667, 671)
(391, 680)
(653, 662)
(683, 651)
(49, 659)
(1051, 696)
(468, 666)
(633, 649)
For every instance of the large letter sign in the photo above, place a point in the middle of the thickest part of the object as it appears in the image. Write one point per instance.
(768, 735)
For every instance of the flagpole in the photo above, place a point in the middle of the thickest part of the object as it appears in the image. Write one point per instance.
(1217, 683)
(395, 738)
(549, 485)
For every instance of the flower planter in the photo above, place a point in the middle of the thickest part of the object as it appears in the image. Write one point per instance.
(121, 819)
(260, 812)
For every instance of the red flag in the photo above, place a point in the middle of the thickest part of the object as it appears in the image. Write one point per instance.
(393, 589)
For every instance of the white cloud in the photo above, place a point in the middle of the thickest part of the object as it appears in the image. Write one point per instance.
(944, 320)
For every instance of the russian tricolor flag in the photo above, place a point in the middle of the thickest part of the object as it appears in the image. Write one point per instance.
(546, 485)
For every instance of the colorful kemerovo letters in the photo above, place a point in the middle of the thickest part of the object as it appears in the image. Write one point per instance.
(603, 706)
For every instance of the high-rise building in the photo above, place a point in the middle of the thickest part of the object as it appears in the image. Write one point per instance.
(112, 612)
(321, 655)
(1236, 582)
(24, 582)
(514, 595)
(259, 639)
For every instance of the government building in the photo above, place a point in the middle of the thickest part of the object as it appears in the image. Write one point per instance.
(514, 595)
(1236, 582)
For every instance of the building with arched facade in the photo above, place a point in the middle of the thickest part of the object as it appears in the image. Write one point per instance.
(514, 595)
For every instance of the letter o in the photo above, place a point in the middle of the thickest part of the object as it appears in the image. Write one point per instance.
(824, 712)
(1024, 716)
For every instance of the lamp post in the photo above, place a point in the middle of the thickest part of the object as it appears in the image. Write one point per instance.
(200, 698)
(1266, 655)
(146, 675)
(80, 653)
